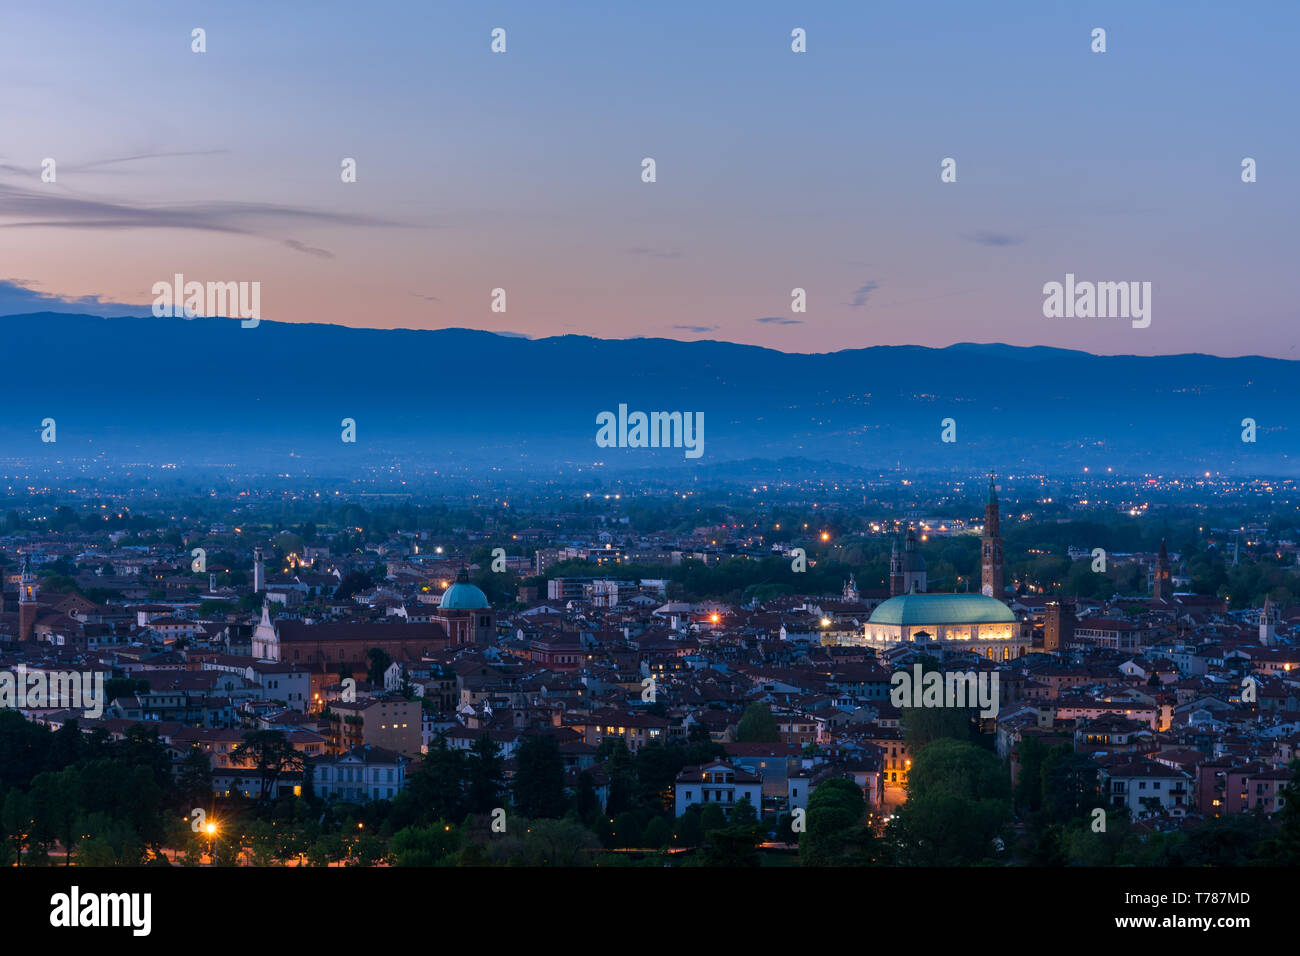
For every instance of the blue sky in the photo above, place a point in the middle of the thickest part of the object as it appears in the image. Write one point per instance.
(775, 170)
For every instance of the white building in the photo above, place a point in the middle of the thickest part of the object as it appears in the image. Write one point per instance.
(718, 782)
(1146, 788)
(360, 775)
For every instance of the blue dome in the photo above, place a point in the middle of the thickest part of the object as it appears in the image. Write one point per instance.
(463, 596)
(909, 610)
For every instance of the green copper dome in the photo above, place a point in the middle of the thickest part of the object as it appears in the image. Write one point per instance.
(463, 596)
(907, 610)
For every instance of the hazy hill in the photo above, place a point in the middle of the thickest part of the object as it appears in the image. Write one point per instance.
(207, 390)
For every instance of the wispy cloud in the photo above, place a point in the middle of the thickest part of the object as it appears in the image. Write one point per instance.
(426, 298)
(309, 250)
(863, 293)
(52, 208)
(779, 320)
(985, 238)
(99, 165)
(654, 253)
(696, 328)
(96, 164)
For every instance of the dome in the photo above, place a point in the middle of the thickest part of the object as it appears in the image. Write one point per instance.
(463, 596)
(907, 610)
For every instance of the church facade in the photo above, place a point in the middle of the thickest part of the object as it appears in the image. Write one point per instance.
(464, 617)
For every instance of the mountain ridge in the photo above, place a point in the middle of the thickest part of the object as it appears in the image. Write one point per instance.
(144, 386)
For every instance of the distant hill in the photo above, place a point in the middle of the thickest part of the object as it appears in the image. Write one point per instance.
(207, 390)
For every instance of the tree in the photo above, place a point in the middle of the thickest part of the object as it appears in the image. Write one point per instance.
(743, 813)
(657, 833)
(1284, 848)
(689, 831)
(486, 779)
(585, 799)
(380, 661)
(437, 786)
(656, 768)
(1031, 753)
(427, 845)
(698, 733)
(24, 747)
(16, 819)
(836, 834)
(1070, 784)
(558, 843)
(140, 747)
(352, 582)
(627, 830)
(67, 746)
(944, 828)
(958, 799)
(734, 846)
(56, 798)
(957, 767)
(924, 725)
(757, 725)
(712, 817)
(619, 767)
(194, 781)
(539, 778)
(271, 755)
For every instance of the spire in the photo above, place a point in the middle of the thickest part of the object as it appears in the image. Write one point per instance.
(1164, 553)
(993, 493)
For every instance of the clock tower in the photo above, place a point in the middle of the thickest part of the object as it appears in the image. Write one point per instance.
(992, 577)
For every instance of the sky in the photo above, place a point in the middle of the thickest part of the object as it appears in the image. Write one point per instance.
(774, 169)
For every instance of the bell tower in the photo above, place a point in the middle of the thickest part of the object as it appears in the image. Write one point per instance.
(992, 578)
(895, 571)
(1160, 588)
(914, 578)
(27, 592)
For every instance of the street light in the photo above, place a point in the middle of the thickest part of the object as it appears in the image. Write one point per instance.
(210, 828)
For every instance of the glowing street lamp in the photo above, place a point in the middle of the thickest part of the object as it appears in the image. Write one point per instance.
(210, 828)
